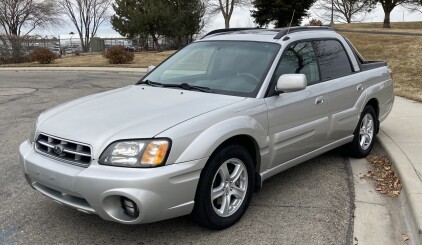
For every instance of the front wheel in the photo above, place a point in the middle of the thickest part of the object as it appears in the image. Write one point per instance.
(364, 134)
(225, 188)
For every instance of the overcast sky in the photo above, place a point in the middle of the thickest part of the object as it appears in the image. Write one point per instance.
(241, 18)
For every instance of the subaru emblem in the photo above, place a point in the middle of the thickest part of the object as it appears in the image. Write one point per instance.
(58, 149)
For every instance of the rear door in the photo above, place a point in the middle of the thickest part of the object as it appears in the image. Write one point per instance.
(298, 121)
(345, 87)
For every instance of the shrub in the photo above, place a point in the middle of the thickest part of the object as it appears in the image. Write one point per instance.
(118, 55)
(315, 22)
(43, 56)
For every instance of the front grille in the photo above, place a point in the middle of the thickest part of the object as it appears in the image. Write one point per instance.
(67, 151)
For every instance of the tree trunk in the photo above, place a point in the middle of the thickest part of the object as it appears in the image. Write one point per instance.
(227, 22)
(83, 46)
(156, 43)
(87, 45)
(179, 42)
(17, 54)
(387, 19)
(349, 19)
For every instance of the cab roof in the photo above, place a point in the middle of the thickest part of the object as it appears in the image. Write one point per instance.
(260, 34)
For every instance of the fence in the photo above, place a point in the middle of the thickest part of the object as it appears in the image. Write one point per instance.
(97, 44)
(16, 49)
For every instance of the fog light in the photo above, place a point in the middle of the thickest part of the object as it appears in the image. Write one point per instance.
(129, 207)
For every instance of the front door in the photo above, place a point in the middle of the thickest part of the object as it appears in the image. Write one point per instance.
(298, 121)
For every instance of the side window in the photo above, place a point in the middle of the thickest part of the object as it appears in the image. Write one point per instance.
(299, 58)
(332, 59)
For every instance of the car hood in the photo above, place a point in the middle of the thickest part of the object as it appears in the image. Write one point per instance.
(132, 112)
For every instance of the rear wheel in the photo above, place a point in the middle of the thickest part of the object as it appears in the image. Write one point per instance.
(364, 134)
(225, 188)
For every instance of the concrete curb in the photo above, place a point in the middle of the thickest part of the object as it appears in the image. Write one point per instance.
(76, 69)
(411, 195)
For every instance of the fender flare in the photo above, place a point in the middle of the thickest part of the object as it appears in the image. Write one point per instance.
(205, 144)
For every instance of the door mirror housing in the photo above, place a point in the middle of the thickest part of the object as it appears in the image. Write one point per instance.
(288, 83)
(150, 69)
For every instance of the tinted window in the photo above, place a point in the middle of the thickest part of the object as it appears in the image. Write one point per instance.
(299, 58)
(332, 58)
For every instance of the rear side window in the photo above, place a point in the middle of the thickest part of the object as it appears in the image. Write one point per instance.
(299, 58)
(332, 58)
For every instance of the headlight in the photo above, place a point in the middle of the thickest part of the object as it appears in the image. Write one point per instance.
(136, 153)
(32, 133)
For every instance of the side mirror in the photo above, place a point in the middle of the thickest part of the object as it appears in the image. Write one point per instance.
(288, 83)
(150, 69)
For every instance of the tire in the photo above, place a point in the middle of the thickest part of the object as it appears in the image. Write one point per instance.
(365, 133)
(211, 212)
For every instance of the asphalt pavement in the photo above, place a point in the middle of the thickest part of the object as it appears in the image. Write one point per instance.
(308, 204)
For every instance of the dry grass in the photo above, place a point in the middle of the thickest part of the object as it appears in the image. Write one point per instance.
(410, 27)
(142, 60)
(403, 54)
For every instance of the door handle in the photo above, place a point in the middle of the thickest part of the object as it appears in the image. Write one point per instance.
(320, 100)
(360, 87)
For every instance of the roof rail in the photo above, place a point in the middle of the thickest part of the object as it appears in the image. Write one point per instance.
(229, 30)
(286, 31)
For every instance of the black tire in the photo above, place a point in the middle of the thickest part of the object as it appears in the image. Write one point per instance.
(204, 213)
(355, 148)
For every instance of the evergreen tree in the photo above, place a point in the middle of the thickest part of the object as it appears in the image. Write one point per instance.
(279, 12)
(179, 19)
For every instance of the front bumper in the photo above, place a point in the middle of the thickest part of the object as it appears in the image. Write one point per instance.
(160, 193)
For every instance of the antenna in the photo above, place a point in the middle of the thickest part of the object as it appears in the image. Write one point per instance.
(290, 25)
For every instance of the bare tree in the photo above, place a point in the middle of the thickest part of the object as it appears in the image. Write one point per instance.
(414, 6)
(18, 18)
(225, 7)
(344, 10)
(388, 6)
(87, 16)
(21, 17)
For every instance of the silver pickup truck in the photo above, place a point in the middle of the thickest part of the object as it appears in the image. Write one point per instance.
(203, 130)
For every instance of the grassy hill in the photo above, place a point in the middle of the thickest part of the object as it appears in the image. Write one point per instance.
(403, 53)
(412, 27)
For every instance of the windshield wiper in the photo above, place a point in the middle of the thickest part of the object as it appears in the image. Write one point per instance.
(184, 86)
(151, 83)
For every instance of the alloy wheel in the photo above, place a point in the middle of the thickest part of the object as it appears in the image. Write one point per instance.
(366, 133)
(229, 187)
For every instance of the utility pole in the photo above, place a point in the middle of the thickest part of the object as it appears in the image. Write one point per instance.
(71, 35)
(332, 13)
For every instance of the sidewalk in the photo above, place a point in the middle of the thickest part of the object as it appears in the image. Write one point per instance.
(84, 69)
(401, 137)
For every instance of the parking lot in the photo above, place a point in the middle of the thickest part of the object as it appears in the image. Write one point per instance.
(309, 204)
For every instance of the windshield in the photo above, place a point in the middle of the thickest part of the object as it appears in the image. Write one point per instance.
(225, 67)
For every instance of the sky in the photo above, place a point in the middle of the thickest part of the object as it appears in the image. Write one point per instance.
(241, 18)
